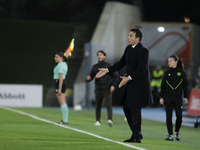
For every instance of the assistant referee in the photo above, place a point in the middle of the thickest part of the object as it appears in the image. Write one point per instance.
(60, 71)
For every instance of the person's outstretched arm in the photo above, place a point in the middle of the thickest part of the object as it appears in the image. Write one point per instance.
(102, 72)
(113, 68)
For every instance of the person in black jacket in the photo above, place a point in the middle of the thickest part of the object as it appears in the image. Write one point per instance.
(137, 92)
(103, 88)
(173, 83)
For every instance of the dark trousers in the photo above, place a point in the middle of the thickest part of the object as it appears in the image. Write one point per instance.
(171, 103)
(133, 117)
(99, 96)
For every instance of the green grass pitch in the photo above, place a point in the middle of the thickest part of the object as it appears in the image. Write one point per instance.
(21, 132)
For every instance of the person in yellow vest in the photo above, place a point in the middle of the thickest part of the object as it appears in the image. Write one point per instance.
(197, 83)
(156, 80)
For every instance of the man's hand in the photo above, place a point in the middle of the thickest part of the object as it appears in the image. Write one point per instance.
(88, 78)
(161, 101)
(112, 88)
(185, 100)
(102, 72)
(123, 82)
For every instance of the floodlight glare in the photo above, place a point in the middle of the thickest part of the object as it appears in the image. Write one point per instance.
(187, 20)
(161, 29)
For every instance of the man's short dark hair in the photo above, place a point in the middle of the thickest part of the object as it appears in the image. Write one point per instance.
(101, 51)
(138, 32)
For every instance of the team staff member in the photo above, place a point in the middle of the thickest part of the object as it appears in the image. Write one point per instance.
(137, 93)
(173, 83)
(103, 88)
(60, 72)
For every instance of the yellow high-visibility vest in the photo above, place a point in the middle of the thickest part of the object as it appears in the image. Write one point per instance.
(157, 82)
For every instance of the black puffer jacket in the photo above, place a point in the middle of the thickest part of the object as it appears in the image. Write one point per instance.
(107, 80)
(173, 83)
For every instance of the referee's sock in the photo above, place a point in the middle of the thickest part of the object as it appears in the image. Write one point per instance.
(64, 109)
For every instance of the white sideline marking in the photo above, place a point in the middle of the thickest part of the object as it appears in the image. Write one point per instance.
(64, 126)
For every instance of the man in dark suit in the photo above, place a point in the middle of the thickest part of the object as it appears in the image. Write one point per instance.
(137, 93)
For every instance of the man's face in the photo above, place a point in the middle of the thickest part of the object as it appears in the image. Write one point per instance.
(132, 40)
(101, 56)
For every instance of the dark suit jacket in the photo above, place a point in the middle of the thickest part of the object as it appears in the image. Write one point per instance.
(138, 91)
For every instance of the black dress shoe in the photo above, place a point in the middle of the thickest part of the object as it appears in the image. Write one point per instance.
(140, 135)
(128, 140)
(133, 140)
(137, 140)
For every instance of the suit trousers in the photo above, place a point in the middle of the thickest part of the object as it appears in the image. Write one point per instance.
(133, 117)
(171, 103)
(99, 96)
